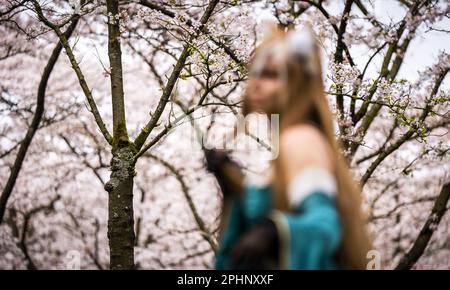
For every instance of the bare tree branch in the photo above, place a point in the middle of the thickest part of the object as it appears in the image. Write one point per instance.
(84, 86)
(39, 112)
(145, 132)
(430, 226)
(206, 234)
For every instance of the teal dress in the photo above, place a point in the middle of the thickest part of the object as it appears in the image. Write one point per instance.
(309, 235)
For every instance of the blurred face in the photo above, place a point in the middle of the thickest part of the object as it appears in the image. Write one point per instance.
(264, 89)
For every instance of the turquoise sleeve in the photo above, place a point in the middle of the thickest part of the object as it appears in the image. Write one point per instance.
(244, 213)
(310, 235)
(256, 203)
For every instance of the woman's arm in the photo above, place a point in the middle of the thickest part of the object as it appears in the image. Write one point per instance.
(230, 229)
(310, 236)
(311, 231)
(230, 179)
(227, 172)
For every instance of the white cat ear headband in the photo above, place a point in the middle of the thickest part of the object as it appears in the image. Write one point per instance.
(297, 43)
(302, 43)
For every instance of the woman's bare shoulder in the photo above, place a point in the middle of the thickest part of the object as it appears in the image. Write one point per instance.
(305, 145)
(301, 131)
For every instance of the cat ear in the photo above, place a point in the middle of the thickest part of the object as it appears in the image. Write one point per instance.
(300, 42)
(303, 43)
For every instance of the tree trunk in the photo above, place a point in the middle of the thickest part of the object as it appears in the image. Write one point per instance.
(120, 186)
(120, 209)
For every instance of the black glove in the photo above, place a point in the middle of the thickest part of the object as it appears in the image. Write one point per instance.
(258, 248)
(215, 161)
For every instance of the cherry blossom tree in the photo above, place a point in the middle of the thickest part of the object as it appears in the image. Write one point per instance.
(97, 96)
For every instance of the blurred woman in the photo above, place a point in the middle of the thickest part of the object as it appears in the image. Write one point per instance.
(308, 214)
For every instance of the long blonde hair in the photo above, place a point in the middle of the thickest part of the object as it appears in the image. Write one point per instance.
(305, 102)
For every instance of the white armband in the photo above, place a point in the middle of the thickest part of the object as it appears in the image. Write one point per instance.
(255, 179)
(310, 180)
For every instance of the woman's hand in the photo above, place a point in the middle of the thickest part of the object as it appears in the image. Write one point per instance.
(258, 248)
(226, 171)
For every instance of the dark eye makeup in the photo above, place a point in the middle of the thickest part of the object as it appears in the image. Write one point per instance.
(266, 73)
(270, 74)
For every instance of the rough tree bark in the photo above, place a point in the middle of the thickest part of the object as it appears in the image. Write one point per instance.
(120, 209)
(120, 186)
